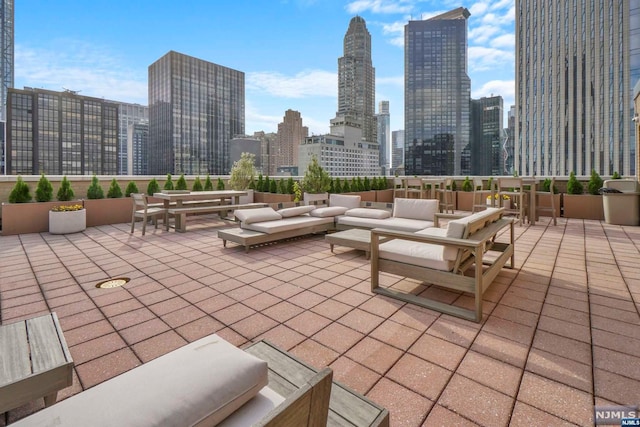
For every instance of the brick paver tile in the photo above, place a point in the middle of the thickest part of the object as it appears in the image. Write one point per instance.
(441, 416)
(406, 408)
(560, 369)
(338, 337)
(395, 334)
(526, 415)
(354, 375)
(420, 376)
(438, 351)
(105, 367)
(374, 354)
(490, 372)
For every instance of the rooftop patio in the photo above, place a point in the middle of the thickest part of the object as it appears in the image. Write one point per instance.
(560, 332)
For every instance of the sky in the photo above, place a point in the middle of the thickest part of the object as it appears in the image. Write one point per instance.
(288, 49)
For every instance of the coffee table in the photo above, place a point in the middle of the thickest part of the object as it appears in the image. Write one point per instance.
(356, 238)
(34, 362)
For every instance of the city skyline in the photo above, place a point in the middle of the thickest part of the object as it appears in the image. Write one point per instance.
(104, 50)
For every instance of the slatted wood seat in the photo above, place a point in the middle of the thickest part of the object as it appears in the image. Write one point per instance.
(181, 213)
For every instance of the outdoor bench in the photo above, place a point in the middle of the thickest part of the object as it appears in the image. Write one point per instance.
(440, 257)
(180, 213)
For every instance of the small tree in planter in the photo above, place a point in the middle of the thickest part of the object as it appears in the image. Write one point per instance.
(316, 181)
(266, 185)
(346, 188)
(546, 186)
(168, 184)
(65, 192)
(273, 187)
(467, 185)
(44, 191)
(337, 187)
(220, 184)
(181, 184)
(208, 185)
(260, 184)
(20, 192)
(243, 172)
(197, 185)
(367, 184)
(297, 192)
(131, 188)
(595, 183)
(616, 175)
(282, 186)
(95, 191)
(573, 185)
(290, 185)
(154, 187)
(114, 191)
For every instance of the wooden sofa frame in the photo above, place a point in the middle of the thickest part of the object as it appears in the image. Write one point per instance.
(479, 237)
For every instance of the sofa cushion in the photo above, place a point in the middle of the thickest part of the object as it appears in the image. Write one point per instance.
(368, 213)
(423, 209)
(249, 216)
(416, 253)
(449, 253)
(199, 384)
(286, 224)
(397, 224)
(295, 211)
(344, 200)
(328, 211)
(456, 227)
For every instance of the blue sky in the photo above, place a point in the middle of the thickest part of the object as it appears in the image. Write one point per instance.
(288, 49)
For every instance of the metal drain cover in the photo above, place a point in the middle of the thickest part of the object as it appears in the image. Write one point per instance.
(113, 283)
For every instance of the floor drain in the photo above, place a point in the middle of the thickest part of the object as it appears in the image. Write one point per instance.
(113, 283)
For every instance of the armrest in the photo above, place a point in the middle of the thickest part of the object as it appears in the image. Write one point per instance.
(438, 215)
(386, 235)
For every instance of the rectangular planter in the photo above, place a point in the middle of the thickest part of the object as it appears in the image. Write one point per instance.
(108, 211)
(365, 196)
(384, 196)
(260, 197)
(464, 200)
(23, 218)
(583, 206)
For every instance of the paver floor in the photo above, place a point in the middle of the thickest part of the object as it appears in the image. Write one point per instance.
(560, 333)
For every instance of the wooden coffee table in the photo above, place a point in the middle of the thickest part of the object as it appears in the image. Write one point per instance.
(355, 238)
(34, 362)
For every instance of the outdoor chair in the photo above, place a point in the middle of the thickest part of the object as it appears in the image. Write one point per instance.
(479, 195)
(399, 188)
(142, 210)
(548, 208)
(446, 196)
(514, 190)
(414, 187)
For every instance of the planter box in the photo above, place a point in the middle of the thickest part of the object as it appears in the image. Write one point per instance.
(312, 199)
(464, 200)
(365, 196)
(583, 206)
(260, 197)
(67, 222)
(24, 218)
(108, 211)
(384, 196)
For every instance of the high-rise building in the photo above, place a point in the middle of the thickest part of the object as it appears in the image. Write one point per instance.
(6, 53)
(195, 108)
(576, 63)
(487, 136)
(291, 134)
(357, 79)
(129, 114)
(384, 135)
(397, 157)
(268, 151)
(60, 133)
(509, 142)
(437, 94)
(138, 148)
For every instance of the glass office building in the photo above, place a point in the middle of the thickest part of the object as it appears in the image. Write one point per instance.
(357, 79)
(384, 136)
(487, 136)
(437, 95)
(60, 133)
(195, 108)
(129, 114)
(576, 63)
(6, 53)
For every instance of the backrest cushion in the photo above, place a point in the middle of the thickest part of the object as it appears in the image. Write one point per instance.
(422, 209)
(295, 211)
(251, 216)
(344, 200)
(368, 213)
(448, 253)
(328, 211)
(456, 227)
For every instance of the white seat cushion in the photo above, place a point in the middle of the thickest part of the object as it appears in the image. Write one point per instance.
(448, 253)
(344, 200)
(328, 211)
(286, 224)
(423, 209)
(295, 211)
(202, 382)
(416, 253)
(250, 216)
(368, 213)
(397, 224)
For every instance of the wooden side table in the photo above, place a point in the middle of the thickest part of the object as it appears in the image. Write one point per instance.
(34, 362)
(356, 238)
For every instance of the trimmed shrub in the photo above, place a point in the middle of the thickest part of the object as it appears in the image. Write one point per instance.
(220, 184)
(197, 185)
(131, 188)
(208, 185)
(65, 192)
(337, 187)
(290, 186)
(181, 184)
(616, 175)
(168, 184)
(595, 183)
(467, 185)
(153, 187)
(95, 191)
(573, 185)
(273, 186)
(114, 191)
(44, 191)
(20, 192)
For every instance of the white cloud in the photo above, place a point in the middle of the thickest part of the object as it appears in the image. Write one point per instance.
(482, 34)
(308, 83)
(487, 58)
(392, 81)
(380, 6)
(478, 8)
(75, 65)
(504, 41)
(504, 88)
(502, 4)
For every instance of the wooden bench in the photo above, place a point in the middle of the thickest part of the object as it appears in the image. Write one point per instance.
(346, 407)
(478, 237)
(180, 213)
